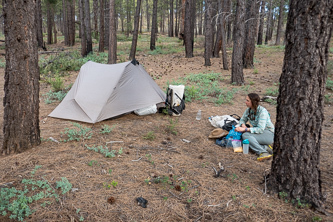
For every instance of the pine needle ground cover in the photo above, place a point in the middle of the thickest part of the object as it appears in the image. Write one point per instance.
(99, 172)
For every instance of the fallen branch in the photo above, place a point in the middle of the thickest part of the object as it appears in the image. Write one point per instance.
(175, 195)
(114, 142)
(6, 184)
(47, 52)
(137, 159)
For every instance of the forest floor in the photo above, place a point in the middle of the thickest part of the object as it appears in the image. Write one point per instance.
(153, 162)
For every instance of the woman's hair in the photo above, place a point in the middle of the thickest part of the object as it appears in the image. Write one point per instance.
(255, 99)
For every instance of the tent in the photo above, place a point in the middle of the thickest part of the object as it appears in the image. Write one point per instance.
(103, 91)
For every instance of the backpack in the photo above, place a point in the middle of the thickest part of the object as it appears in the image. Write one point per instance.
(175, 100)
(229, 123)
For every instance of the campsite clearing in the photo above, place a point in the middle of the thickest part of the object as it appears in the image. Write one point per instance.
(169, 161)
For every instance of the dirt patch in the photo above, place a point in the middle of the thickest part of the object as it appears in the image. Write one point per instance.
(175, 177)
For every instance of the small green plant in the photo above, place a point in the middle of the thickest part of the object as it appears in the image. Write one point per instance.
(316, 218)
(272, 91)
(51, 96)
(57, 83)
(171, 127)
(328, 99)
(106, 129)
(165, 198)
(248, 188)
(110, 171)
(149, 136)
(92, 162)
(284, 196)
(329, 84)
(114, 183)
(17, 203)
(251, 83)
(234, 197)
(80, 133)
(189, 200)
(64, 185)
(103, 150)
(255, 71)
(149, 159)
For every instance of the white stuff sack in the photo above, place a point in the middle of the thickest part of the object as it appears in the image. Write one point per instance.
(178, 93)
(146, 111)
(219, 121)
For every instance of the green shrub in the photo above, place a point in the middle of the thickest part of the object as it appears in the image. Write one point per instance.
(80, 133)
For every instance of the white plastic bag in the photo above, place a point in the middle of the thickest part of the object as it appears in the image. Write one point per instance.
(219, 121)
(146, 111)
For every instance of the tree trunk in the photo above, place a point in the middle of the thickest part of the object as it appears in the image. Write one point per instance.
(95, 9)
(228, 20)
(148, 17)
(188, 31)
(136, 28)
(224, 39)
(182, 20)
(176, 17)
(237, 75)
(107, 23)
(171, 19)
(300, 111)
(113, 34)
(39, 23)
(71, 23)
(54, 28)
(141, 18)
(208, 33)
(88, 26)
(21, 101)
(153, 26)
(278, 32)
(65, 22)
(128, 18)
(200, 18)
(101, 26)
(250, 33)
(261, 24)
(49, 22)
(268, 21)
(83, 29)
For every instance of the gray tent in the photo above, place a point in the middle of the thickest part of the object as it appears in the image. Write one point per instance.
(102, 91)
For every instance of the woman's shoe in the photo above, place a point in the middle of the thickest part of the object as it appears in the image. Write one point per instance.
(264, 156)
(269, 149)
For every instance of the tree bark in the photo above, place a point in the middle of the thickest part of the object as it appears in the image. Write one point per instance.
(113, 34)
(21, 101)
(268, 22)
(237, 75)
(106, 23)
(224, 39)
(65, 22)
(147, 14)
(49, 22)
(189, 29)
(261, 23)
(83, 29)
(300, 111)
(101, 26)
(54, 25)
(171, 19)
(278, 32)
(39, 23)
(88, 26)
(251, 23)
(136, 28)
(208, 33)
(153, 26)
(95, 9)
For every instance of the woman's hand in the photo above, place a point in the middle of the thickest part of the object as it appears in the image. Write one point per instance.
(240, 129)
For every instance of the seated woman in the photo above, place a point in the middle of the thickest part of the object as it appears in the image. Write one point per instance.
(261, 134)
